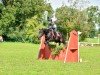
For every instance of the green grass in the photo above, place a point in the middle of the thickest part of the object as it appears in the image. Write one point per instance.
(91, 40)
(21, 59)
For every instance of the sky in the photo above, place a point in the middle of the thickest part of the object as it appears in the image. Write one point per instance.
(57, 3)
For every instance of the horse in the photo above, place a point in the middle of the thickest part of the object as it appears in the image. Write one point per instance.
(50, 35)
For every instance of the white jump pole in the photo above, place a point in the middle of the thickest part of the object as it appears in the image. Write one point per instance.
(78, 46)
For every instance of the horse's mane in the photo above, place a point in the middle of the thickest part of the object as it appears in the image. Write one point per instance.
(45, 31)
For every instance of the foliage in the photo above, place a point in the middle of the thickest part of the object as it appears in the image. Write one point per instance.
(82, 36)
(32, 29)
(56, 48)
(72, 19)
(16, 16)
(80, 20)
(7, 19)
(92, 13)
(20, 20)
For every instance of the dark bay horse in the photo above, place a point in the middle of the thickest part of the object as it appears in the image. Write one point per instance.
(50, 35)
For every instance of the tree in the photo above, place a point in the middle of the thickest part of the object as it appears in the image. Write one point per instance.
(7, 2)
(14, 16)
(98, 20)
(78, 18)
(70, 18)
(32, 29)
(92, 13)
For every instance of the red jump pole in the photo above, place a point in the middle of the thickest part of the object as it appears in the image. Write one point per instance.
(72, 54)
(44, 50)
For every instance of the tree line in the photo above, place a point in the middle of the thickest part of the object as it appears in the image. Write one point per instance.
(20, 20)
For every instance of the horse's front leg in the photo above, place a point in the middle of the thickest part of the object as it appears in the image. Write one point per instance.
(59, 43)
(47, 41)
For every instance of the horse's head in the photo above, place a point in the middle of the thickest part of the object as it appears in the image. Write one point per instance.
(42, 32)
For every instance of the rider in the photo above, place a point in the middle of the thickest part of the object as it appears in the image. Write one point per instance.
(52, 25)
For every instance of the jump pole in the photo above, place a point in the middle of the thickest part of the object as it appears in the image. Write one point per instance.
(78, 46)
(72, 51)
(66, 51)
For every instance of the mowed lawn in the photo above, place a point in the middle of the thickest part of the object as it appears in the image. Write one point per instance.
(21, 59)
(92, 40)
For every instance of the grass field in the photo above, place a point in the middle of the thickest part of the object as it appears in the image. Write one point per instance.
(21, 59)
(92, 40)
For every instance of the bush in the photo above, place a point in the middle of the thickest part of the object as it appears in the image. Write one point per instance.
(82, 36)
(56, 48)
